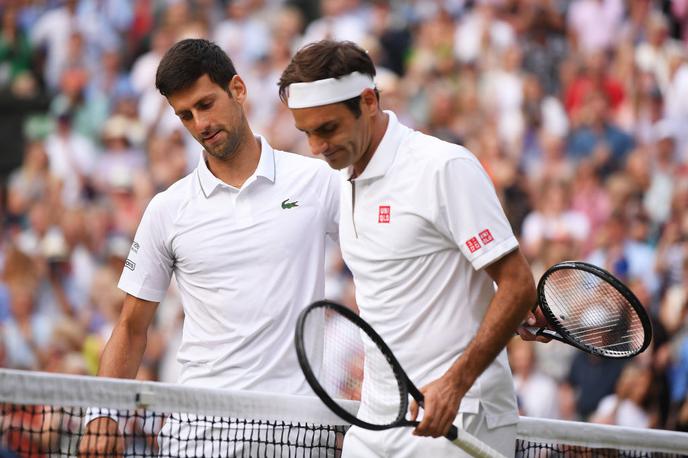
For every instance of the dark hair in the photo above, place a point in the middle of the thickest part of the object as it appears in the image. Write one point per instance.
(327, 59)
(189, 60)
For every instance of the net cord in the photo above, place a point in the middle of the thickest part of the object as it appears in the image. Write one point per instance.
(601, 436)
(38, 388)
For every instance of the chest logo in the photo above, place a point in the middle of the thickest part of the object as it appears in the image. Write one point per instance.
(287, 205)
(384, 214)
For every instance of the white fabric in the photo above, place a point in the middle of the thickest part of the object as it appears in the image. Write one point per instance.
(329, 90)
(420, 205)
(539, 395)
(244, 264)
(400, 443)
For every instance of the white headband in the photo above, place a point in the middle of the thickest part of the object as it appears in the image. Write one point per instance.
(330, 90)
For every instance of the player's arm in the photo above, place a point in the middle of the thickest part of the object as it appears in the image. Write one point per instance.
(512, 302)
(124, 350)
(121, 359)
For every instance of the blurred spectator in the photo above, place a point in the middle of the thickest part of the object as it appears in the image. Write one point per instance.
(51, 33)
(72, 158)
(676, 99)
(653, 54)
(17, 103)
(27, 332)
(120, 157)
(553, 220)
(86, 114)
(28, 184)
(594, 24)
(502, 95)
(537, 393)
(662, 170)
(16, 53)
(480, 34)
(591, 378)
(243, 34)
(620, 254)
(592, 79)
(597, 137)
(626, 406)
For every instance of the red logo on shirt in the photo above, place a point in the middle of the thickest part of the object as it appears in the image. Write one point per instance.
(473, 245)
(384, 214)
(486, 236)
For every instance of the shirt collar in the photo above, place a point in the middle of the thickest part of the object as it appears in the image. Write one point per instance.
(386, 151)
(265, 169)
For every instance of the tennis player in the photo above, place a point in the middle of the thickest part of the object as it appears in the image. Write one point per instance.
(244, 234)
(426, 238)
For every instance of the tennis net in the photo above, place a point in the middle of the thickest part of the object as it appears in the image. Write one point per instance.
(540, 438)
(42, 415)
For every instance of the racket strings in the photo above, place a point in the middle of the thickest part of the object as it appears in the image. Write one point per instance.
(347, 353)
(593, 312)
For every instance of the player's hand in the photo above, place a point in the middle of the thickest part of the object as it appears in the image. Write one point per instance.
(534, 319)
(101, 439)
(442, 399)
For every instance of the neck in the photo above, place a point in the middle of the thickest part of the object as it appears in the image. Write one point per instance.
(379, 128)
(239, 166)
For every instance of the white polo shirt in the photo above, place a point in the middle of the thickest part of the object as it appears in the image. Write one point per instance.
(417, 228)
(246, 261)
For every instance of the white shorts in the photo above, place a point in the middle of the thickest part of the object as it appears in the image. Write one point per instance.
(401, 443)
(192, 438)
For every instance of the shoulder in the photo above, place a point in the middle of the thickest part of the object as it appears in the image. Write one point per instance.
(292, 163)
(425, 152)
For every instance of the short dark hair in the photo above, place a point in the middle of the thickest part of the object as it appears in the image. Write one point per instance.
(189, 60)
(327, 59)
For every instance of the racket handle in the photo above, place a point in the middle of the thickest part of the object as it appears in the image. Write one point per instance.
(471, 444)
(545, 332)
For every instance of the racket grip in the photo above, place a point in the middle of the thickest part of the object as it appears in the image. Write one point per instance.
(545, 332)
(472, 445)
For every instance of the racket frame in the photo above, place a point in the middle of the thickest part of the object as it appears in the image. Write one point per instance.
(563, 335)
(406, 387)
(460, 438)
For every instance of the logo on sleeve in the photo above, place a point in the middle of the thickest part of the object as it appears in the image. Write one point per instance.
(129, 264)
(486, 236)
(135, 247)
(384, 214)
(473, 244)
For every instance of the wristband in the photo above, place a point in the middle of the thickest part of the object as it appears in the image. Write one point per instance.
(98, 412)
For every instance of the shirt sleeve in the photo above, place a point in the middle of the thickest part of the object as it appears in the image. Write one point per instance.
(470, 213)
(148, 269)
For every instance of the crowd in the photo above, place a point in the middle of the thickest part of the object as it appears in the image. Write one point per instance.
(578, 110)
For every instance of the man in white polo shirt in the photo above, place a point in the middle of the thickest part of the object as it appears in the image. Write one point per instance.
(426, 238)
(244, 235)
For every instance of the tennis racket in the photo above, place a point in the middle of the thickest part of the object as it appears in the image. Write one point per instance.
(590, 309)
(335, 366)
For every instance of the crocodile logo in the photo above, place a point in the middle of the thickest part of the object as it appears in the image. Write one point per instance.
(287, 205)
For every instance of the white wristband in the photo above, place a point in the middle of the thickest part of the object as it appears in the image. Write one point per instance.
(97, 412)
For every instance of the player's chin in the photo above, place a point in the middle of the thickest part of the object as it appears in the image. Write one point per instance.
(336, 162)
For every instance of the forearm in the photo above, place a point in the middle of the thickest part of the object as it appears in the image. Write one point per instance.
(123, 353)
(124, 350)
(513, 300)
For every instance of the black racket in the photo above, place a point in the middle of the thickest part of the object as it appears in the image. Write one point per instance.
(335, 366)
(589, 308)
